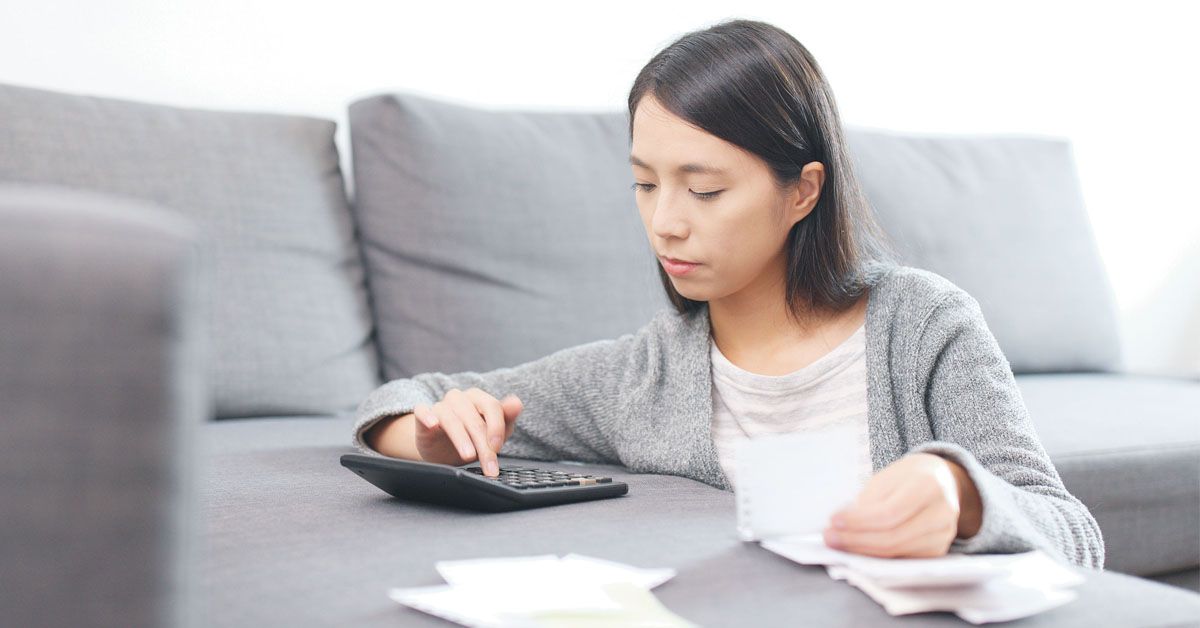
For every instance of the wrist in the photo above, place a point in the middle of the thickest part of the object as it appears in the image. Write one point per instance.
(970, 514)
(381, 435)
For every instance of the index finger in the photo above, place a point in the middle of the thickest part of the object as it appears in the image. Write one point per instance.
(493, 416)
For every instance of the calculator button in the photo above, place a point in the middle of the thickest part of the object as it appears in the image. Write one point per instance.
(529, 477)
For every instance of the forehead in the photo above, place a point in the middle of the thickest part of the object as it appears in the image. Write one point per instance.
(665, 142)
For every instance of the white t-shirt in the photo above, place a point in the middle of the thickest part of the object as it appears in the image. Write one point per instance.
(832, 391)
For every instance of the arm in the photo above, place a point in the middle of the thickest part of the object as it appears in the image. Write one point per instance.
(980, 422)
(394, 436)
(571, 397)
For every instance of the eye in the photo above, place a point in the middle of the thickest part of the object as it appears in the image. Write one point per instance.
(649, 187)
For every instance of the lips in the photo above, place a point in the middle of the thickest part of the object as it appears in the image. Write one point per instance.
(677, 261)
(677, 268)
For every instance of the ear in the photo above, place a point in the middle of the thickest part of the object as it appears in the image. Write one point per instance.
(806, 191)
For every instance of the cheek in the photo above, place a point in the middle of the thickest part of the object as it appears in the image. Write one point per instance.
(644, 214)
(745, 244)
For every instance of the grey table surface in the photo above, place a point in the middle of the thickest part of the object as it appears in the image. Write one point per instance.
(287, 536)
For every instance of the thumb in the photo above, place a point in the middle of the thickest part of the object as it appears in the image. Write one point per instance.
(512, 406)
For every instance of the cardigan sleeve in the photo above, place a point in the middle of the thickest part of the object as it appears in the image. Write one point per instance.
(980, 421)
(569, 397)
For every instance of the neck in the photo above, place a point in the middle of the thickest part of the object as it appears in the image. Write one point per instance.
(755, 322)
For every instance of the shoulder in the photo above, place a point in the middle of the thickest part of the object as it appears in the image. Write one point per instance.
(913, 286)
(917, 294)
(925, 312)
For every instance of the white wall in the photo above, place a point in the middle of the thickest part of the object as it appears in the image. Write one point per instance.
(1117, 79)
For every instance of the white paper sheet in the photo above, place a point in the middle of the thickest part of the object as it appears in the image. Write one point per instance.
(506, 591)
(793, 483)
(951, 569)
(999, 599)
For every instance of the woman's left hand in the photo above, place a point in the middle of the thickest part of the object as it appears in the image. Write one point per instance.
(914, 507)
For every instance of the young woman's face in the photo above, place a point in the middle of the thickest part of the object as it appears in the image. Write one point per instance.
(733, 221)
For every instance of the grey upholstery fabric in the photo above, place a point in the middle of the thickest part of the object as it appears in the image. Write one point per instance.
(1188, 579)
(1003, 218)
(295, 539)
(496, 237)
(101, 391)
(1129, 448)
(289, 324)
(528, 212)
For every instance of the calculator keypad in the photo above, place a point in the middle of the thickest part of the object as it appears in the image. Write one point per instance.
(528, 477)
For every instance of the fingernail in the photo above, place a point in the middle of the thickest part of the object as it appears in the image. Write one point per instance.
(833, 539)
(839, 523)
(491, 467)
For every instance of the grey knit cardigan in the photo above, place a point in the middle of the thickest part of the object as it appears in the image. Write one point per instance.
(937, 382)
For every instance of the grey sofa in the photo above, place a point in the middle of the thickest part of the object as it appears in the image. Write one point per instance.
(191, 308)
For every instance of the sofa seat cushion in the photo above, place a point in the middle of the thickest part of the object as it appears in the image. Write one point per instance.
(294, 539)
(1129, 448)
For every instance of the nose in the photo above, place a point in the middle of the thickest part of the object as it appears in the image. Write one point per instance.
(668, 217)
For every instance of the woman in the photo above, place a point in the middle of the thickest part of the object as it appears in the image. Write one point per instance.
(788, 314)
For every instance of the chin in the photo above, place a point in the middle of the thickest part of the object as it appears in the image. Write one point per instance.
(693, 294)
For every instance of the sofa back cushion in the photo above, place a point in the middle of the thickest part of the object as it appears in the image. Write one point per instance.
(1003, 218)
(288, 318)
(494, 237)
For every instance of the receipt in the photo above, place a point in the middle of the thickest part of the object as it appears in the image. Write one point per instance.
(543, 590)
(792, 484)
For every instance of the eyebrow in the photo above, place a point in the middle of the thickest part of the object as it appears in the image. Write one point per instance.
(688, 167)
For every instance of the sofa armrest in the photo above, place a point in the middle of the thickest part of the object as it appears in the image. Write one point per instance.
(101, 385)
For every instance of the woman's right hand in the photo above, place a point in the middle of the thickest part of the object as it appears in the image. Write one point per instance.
(465, 426)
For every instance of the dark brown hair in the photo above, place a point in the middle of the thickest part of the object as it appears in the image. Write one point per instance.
(755, 86)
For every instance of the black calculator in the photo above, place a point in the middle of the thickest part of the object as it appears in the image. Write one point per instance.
(467, 487)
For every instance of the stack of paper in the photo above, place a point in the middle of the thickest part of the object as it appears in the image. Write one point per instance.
(979, 588)
(544, 591)
(790, 485)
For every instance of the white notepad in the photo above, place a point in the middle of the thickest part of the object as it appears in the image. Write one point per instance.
(790, 484)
